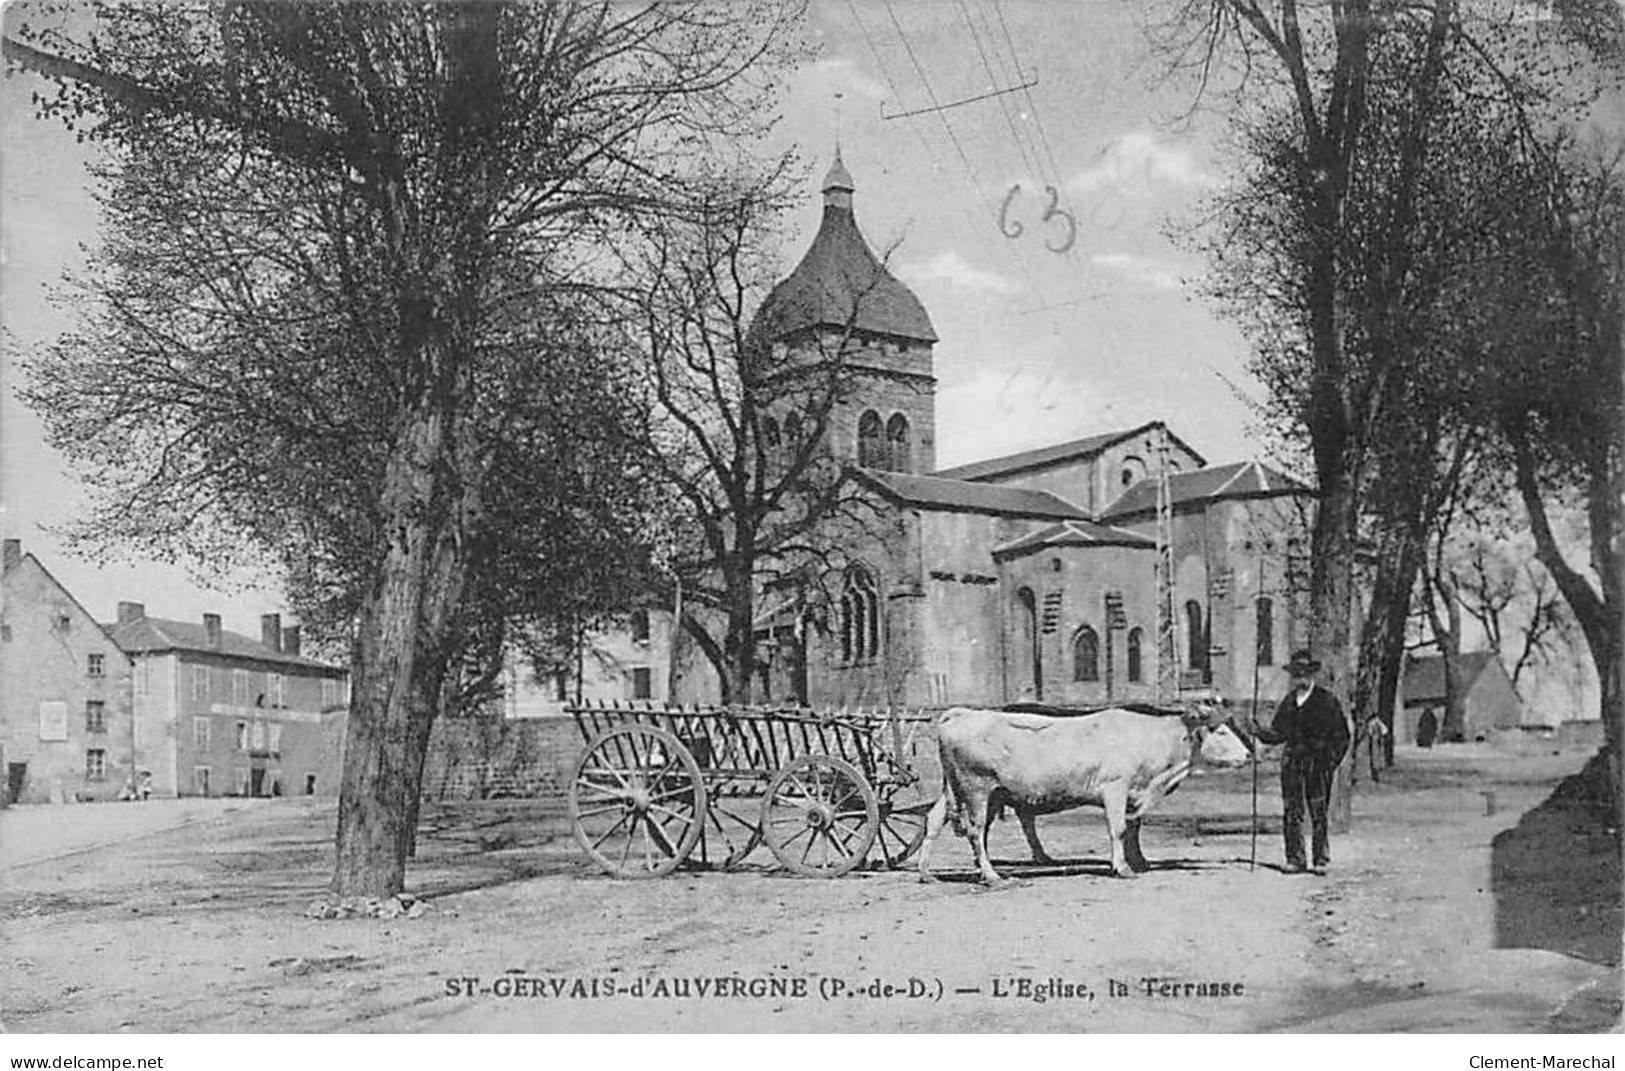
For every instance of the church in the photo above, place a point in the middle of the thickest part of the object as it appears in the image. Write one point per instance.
(1032, 577)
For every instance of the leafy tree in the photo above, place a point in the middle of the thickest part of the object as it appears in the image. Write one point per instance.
(338, 295)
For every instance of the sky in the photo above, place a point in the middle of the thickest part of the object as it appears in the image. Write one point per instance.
(1036, 346)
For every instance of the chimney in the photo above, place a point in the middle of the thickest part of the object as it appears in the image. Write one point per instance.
(211, 626)
(290, 641)
(271, 631)
(130, 611)
(14, 554)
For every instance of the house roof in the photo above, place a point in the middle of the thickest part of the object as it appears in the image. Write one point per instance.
(149, 634)
(70, 596)
(1240, 479)
(1074, 533)
(934, 492)
(1052, 455)
(1424, 676)
(841, 281)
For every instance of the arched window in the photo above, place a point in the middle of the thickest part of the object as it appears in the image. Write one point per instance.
(1136, 671)
(772, 446)
(1086, 655)
(792, 432)
(860, 617)
(897, 444)
(640, 626)
(1196, 638)
(871, 447)
(1266, 632)
(1132, 472)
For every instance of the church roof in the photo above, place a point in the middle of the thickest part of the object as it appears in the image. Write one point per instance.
(841, 281)
(1240, 479)
(995, 467)
(933, 492)
(1074, 533)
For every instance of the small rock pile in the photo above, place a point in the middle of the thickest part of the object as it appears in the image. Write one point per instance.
(400, 905)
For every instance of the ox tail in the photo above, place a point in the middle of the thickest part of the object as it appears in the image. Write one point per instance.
(950, 798)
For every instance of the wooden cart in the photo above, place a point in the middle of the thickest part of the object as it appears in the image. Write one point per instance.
(824, 792)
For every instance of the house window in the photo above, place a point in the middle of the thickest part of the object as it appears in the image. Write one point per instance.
(1266, 632)
(63, 623)
(275, 682)
(642, 683)
(897, 444)
(200, 734)
(242, 736)
(200, 682)
(640, 626)
(1136, 667)
(256, 736)
(95, 716)
(200, 780)
(1086, 655)
(239, 687)
(96, 764)
(860, 617)
(871, 448)
(95, 665)
(310, 784)
(273, 737)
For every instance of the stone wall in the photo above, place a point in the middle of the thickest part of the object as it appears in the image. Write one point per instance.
(497, 758)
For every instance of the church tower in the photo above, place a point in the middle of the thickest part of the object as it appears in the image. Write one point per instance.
(841, 303)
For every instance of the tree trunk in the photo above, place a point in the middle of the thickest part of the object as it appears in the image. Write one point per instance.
(1331, 609)
(399, 668)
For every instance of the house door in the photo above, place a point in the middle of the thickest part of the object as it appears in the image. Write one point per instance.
(256, 781)
(1029, 666)
(16, 777)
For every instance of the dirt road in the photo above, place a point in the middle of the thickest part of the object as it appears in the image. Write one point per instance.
(1436, 916)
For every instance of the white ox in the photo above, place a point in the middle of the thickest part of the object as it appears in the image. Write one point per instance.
(1120, 760)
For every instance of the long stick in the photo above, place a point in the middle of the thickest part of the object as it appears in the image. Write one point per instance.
(1252, 857)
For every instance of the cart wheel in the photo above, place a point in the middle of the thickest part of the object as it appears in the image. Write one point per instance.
(820, 816)
(902, 828)
(637, 801)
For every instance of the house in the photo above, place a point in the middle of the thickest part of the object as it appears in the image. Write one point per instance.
(1031, 576)
(224, 714)
(66, 725)
(1491, 702)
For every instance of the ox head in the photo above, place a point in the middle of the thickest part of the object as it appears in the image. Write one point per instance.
(1223, 747)
(1210, 722)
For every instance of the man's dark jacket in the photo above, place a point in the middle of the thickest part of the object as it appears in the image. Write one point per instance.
(1315, 731)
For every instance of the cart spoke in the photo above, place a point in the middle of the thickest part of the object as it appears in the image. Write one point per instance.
(605, 835)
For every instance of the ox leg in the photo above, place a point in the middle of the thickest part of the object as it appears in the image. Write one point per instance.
(933, 829)
(980, 817)
(1131, 846)
(1116, 801)
(1029, 829)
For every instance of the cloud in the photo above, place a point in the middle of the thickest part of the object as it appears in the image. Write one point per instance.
(1147, 271)
(953, 269)
(1138, 164)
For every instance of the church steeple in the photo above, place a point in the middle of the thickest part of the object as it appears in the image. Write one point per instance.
(838, 186)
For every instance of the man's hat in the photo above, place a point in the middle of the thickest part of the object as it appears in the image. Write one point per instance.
(1302, 664)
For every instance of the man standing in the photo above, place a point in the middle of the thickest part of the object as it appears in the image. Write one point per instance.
(1309, 722)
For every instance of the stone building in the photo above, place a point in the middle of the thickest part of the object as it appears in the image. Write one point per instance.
(223, 714)
(1031, 576)
(1490, 702)
(66, 730)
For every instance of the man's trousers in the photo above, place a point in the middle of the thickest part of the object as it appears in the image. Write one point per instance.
(1306, 781)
